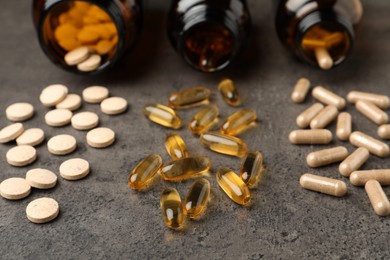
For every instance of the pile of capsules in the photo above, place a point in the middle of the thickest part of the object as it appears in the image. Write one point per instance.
(318, 116)
(185, 166)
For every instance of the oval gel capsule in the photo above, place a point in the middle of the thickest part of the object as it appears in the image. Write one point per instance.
(252, 170)
(229, 92)
(224, 144)
(197, 198)
(162, 115)
(176, 147)
(204, 119)
(238, 122)
(190, 97)
(144, 172)
(171, 208)
(233, 186)
(185, 168)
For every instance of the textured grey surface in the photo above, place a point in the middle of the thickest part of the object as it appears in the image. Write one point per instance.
(101, 217)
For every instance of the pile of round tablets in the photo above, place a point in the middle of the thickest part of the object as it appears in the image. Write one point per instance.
(320, 115)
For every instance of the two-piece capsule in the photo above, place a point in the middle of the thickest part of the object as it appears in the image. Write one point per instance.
(324, 117)
(238, 122)
(384, 131)
(372, 112)
(229, 92)
(323, 184)
(190, 97)
(172, 208)
(303, 120)
(162, 115)
(185, 168)
(326, 156)
(359, 178)
(344, 126)
(224, 144)
(176, 147)
(252, 170)
(197, 198)
(354, 161)
(327, 97)
(378, 198)
(381, 101)
(204, 119)
(373, 145)
(144, 172)
(233, 186)
(324, 60)
(300, 91)
(312, 136)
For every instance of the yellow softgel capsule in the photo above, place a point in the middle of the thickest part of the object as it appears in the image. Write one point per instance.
(144, 172)
(204, 119)
(162, 115)
(233, 186)
(171, 208)
(224, 144)
(190, 97)
(252, 170)
(239, 122)
(197, 198)
(185, 168)
(176, 147)
(229, 92)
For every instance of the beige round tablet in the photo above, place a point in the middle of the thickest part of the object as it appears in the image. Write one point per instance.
(19, 112)
(95, 94)
(74, 169)
(53, 94)
(14, 188)
(58, 117)
(21, 155)
(100, 137)
(41, 178)
(61, 144)
(42, 210)
(71, 102)
(113, 105)
(77, 56)
(11, 132)
(85, 120)
(32, 136)
(90, 64)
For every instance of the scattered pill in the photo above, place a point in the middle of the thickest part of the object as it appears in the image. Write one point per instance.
(90, 64)
(326, 156)
(42, 210)
(58, 117)
(77, 56)
(238, 122)
(344, 126)
(381, 101)
(372, 112)
(41, 178)
(384, 131)
(101, 137)
(62, 144)
(162, 115)
(11, 132)
(190, 97)
(113, 105)
(303, 120)
(300, 91)
(32, 136)
(324, 117)
(19, 112)
(85, 120)
(233, 186)
(172, 208)
(74, 169)
(323, 58)
(354, 161)
(204, 119)
(185, 168)
(311, 136)
(229, 92)
(323, 184)
(359, 178)
(72, 102)
(197, 198)
(21, 155)
(327, 97)
(144, 172)
(176, 147)
(53, 94)
(373, 145)
(14, 188)
(252, 170)
(224, 144)
(378, 198)
(95, 94)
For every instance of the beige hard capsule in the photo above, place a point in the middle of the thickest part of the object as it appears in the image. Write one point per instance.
(381, 101)
(354, 161)
(378, 198)
(328, 97)
(326, 156)
(303, 120)
(300, 91)
(384, 131)
(323, 184)
(344, 126)
(373, 145)
(323, 58)
(359, 178)
(372, 112)
(311, 136)
(324, 117)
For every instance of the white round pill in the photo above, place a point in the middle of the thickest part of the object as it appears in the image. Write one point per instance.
(61, 144)
(19, 111)
(95, 94)
(11, 132)
(90, 64)
(41, 178)
(53, 94)
(71, 102)
(42, 210)
(74, 169)
(77, 56)
(14, 188)
(113, 105)
(58, 117)
(100, 137)
(21, 155)
(32, 136)
(85, 120)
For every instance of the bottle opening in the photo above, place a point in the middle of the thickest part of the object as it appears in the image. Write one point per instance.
(70, 25)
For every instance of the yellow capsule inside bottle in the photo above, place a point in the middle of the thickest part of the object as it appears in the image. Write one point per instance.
(162, 115)
(176, 147)
(224, 144)
(229, 92)
(252, 169)
(171, 208)
(204, 119)
(239, 122)
(233, 186)
(185, 168)
(197, 198)
(190, 97)
(144, 172)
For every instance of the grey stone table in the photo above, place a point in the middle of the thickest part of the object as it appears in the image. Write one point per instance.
(101, 217)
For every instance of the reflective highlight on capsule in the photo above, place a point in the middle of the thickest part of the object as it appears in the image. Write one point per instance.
(171, 208)
(204, 119)
(381, 101)
(252, 170)
(303, 120)
(326, 156)
(324, 117)
(190, 97)
(373, 145)
(359, 178)
(185, 168)
(354, 161)
(233, 186)
(144, 172)
(162, 115)
(176, 147)
(378, 198)
(328, 97)
(313, 136)
(323, 184)
(229, 92)
(197, 198)
(224, 144)
(300, 91)
(238, 122)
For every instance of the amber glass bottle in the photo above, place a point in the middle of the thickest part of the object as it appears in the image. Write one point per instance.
(208, 34)
(107, 27)
(321, 32)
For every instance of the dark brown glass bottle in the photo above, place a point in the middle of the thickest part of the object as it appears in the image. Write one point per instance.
(107, 28)
(320, 32)
(208, 34)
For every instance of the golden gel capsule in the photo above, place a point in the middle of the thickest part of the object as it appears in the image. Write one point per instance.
(378, 198)
(233, 186)
(372, 112)
(324, 118)
(176, 147)
(327, 97)
(300, 91)
(326, 156)
(359, 178)
(162, 115)
(229, 93)
(354, 161)
(185, 168)
(303, 120)
(384, 131)
(190, 97)
(381, 101)
(144, 172)
(323, 184)
(238, 122)
(252, 170)
(171, 208)
(312, 136)
(197, 198)
(344, 126)
(224, 144)
(373, 145)
(204, 119)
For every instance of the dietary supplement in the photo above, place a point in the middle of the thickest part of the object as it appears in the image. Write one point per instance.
(323, 58)
(95, 94)
(378, 198)
(72, 102)
(176, 147)
(204, 119)
(74, 169)
(323, 184)
(188, 98)
(18, 112)
(381, 101)
(100, 137)
(14, 188)
(144, 172)
(224, 144)
(162, 115)
(58, 117)
(252, 170)
(373, 145)
(11, 132)
(185, 168)
(326, 156)
(229, 92)
(344, 126)
(53, 94)
(233, 186)
(113, 105)
(85, 120)
(32, 136)
(372, 112)
(328, 97)
(21, 155)
(41, 178)
(77, 55)
(42, 210)
(238, 122)
(359, 178)
(197, 198)
(384, 131)
(171, 208)
(312, 136)
(90, 64)
(303, 120)
(62, 144)
(300, 91)
(324, 117)
(354, 161)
